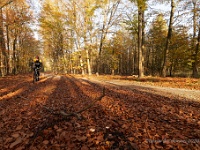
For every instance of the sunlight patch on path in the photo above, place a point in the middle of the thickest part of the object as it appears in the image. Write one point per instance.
(11, 94)
(164, 91)
(54, 77)
(181, 93)
(57, 77)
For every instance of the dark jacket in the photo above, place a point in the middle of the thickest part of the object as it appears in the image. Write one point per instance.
(37, 64)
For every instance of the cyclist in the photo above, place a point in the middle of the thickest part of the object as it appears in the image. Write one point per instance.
(37, 65)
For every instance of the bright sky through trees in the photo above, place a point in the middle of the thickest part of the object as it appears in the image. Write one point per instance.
(72, 31)
(37, 4)
(152, 12)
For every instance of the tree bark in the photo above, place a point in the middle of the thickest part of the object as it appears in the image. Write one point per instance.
(107, 23)
(195, 45)
(140, 54)
(169, 35)
(4, 56)
(8, 49)
(14, 56)
(82, 67)
(88, 63)
(195, 73)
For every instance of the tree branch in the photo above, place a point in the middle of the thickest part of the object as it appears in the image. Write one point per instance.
(7, 3)
(65, 116)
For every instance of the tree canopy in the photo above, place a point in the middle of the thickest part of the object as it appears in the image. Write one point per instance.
(125, 37)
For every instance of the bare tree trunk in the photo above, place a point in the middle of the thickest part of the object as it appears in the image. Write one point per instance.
(140, 55)
(8, 49)
(4, 56)
(104, 31)
(100, 49)
(195, 63)
(194, 45)
(8, 43)
(169, 35)
(134, 58)
(82, 67)
(14, 56)
(88, 63)
(143, 42)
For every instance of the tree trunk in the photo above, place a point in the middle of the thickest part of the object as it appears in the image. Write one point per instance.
(140, 55)
(195, 63)
(4, 56)
(8, 47)
(195, 45)
(143, 42)
(82, 67)
(14, 56)
(169, 35)
(88, 63)
(100, 49)
(107, 23)
(135, 61)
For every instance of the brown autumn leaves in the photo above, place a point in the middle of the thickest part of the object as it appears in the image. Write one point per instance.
(64, 112)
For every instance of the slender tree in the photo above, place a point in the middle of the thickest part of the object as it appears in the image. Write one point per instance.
(156, 40)
(141, 5)
(4, 59)
(195, 44)
(169, 36)
(109, 20)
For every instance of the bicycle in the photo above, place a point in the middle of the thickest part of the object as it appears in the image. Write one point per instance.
(35, 75)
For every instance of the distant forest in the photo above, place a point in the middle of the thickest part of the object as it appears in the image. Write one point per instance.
(117, 37)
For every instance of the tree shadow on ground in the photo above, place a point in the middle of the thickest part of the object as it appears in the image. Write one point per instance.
(123, 118)
(161, 119)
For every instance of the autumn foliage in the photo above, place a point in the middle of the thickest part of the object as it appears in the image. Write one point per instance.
(68, 112)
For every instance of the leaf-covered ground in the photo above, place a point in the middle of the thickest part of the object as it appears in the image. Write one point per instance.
(176, 88)
(65, 112)
(187, 83)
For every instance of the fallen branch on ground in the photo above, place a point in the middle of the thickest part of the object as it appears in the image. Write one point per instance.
(19, 96)
(65, 116)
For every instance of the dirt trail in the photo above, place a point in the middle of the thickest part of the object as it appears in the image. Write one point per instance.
(178, 93)
(31, 116)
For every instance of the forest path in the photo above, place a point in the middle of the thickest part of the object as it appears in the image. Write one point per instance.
(45, 115)
(178, 93)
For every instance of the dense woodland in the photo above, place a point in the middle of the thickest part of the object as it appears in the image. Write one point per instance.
(124, 37)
